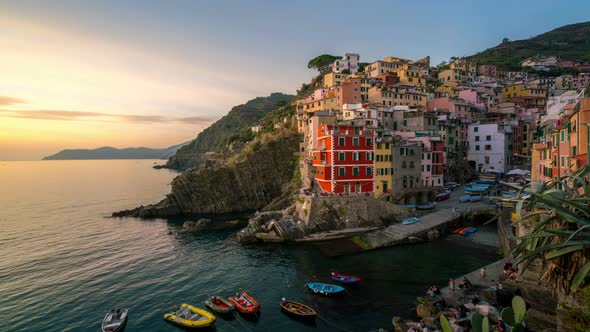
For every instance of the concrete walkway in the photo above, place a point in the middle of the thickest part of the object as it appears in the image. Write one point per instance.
(446, 211)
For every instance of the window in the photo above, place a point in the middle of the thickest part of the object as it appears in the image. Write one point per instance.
(562, 161)
(487, 158)
(475, 129)
(411, 164)
(488, 147)
(356, 156)
(368, 141)
(341, 156)
(488, 137)
(428, 168)
(355, 141)
(428, 156)
(369, 155)
(340, 141)
(563, 135)
(405, 123)
(369, 170)
(342, 171)
(357, 130)
(404, 164)
(355, 171)
(477, 138)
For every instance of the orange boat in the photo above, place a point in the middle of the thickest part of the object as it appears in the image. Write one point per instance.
(245, 303)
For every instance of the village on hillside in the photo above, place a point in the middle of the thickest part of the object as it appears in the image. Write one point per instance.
(398, 129)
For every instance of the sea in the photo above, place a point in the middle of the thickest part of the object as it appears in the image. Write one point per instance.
(64, 262)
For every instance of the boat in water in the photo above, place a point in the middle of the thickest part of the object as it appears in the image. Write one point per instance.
(410, 220)
(245, 303)
(220, 305)
(324, 289)
(297, 310)
(115, 320)
(428, 206)
(345, 278)
(465, 230)
(189, 316)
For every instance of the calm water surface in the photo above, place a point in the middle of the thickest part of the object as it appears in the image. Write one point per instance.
(63, 262)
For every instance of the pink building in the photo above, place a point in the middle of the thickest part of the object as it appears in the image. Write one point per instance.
(458, 108)
(473, 97)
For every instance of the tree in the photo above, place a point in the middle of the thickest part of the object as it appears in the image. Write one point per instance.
(558, 215)
(505, 40)
(322, 63)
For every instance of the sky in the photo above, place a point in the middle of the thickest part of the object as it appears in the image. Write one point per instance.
(86, 74)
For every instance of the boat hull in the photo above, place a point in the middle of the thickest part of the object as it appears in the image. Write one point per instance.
(121, 327)
(345, 278)
(191, 323)
(425, 207)
(298, 310)
(246, 304)
(410, 221)
(220, 305)
(324, 289)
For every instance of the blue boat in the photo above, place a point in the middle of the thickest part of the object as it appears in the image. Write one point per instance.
(509, 193)
(474, 198)
(476, 190)
(428, 206)
(469, 231)
(410, 220)
(490, 182)
(324, 289)
(409, 206)
(464, 198)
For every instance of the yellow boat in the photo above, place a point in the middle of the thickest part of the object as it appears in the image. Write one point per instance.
(189, 316)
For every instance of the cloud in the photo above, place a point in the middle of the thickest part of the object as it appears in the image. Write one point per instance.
(11, 100)
(63, 115)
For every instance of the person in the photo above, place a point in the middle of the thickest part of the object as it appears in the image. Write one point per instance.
(435, 290)
(467, 283)
(452, 285)
(507, 267)
(482, 273)
(430, 292)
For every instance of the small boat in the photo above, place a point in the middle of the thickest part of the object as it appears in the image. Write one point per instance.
(474, 198)
(510, 193)
(115, 320)
(410, 220)
(476, 190)
(443, 196)
(245, 303)
(220, 305)
(191, 317)
(324, 289)
(297, 310)
(490, 182)
(461, 230)
(345, 278)
(428, 206)
(467, 230)
(464, 198)
(409, 206)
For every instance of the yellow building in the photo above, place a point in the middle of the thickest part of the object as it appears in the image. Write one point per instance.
(331, 79)
(411, 74)
(523, 90)
(395, 96)
(383, 167)
(459, 70)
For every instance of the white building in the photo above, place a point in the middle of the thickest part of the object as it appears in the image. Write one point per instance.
(490, 146)
(358, 112)
(350, 62)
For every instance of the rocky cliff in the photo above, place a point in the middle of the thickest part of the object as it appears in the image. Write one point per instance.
(261, 173)
(216, 137)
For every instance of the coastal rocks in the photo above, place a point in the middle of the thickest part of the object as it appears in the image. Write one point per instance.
(207, 224)
(247, 181)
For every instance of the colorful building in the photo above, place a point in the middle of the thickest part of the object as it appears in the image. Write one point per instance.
(349, 62)
(344, 158)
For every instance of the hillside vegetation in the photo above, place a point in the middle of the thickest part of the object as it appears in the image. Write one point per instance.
(216, 136)
(570, 42)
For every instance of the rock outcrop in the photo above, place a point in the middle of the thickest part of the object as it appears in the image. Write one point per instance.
(259, 174)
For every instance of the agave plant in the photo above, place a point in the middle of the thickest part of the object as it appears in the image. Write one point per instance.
(558, 215)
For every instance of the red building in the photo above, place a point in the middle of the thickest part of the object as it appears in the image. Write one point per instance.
(388, 79)
(343, 158)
